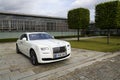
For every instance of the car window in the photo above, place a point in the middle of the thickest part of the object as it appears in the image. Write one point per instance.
(23, 36)
(39, 36)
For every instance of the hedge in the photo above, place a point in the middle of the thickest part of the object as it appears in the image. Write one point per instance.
(108, 15)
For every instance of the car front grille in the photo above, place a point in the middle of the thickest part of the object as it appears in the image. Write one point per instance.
(59, 49)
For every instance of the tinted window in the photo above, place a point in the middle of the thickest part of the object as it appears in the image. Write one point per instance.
(39, 36)
(23, 36)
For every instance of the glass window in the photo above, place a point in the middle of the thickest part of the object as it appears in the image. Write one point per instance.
(39, 36)
(23, 36)
(51, 26)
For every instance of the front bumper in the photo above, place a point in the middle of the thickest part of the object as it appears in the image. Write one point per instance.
(49, 60)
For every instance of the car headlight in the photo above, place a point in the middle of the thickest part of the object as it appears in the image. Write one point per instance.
(45, 48)
(68, 45)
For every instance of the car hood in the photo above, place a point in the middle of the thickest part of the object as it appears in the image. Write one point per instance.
(49, 42)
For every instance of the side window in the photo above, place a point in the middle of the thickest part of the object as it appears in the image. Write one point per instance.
(23, 36)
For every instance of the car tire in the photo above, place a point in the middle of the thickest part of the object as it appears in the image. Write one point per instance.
(17, 49)
(33, 57)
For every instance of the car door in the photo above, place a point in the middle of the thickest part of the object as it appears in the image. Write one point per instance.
(20, 43)
(25, 44)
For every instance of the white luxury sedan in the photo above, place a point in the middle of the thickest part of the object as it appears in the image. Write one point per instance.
(41, 47)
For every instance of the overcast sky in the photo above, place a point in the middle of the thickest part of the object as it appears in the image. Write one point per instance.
(57, 8)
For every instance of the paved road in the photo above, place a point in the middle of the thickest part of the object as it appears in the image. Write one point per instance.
(15, 66)
(108, 69)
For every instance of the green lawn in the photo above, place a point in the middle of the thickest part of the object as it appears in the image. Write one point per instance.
(8, 40)
(98, 44)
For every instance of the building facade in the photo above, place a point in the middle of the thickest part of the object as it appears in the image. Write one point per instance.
(12, 22)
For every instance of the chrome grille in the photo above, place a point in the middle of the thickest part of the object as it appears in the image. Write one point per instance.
(59, 49)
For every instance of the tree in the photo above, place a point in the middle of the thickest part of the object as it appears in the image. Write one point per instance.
(78, 19)
(108, 16)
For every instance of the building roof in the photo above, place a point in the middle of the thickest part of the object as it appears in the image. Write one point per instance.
(32, 15)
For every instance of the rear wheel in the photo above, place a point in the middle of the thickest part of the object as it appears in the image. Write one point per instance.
(33, 57)
(17, 49)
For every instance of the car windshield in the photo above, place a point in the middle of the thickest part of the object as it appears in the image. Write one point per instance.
(39, 36)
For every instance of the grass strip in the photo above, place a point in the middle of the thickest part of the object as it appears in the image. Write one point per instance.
(97, 44)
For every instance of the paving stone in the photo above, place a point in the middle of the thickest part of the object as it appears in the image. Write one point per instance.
(4, 77)
(13, 75)
(17, 75)
(4, 71)
(103, 70)
(16, 66)
(25, 74)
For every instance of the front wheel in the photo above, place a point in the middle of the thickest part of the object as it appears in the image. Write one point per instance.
(17, 49)
(33, 57)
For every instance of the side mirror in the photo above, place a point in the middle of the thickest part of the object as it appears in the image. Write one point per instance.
(24, 39)
(53, 37)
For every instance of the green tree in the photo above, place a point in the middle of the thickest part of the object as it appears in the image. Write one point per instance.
(78, 19)
(108, 16)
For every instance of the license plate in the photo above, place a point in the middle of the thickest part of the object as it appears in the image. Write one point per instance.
(57, 55)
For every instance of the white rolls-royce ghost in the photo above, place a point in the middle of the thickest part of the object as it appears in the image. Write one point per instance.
(41, 47)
